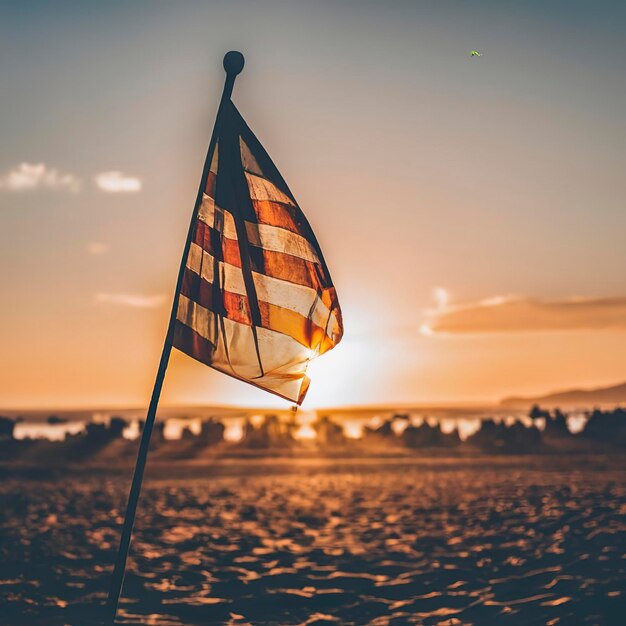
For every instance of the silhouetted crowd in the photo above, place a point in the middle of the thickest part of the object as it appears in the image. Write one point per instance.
(547, 431)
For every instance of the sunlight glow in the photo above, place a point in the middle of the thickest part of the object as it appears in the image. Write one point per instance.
(233, 431)
(305, 432)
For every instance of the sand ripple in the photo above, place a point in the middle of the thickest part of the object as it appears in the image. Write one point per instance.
(416, 546)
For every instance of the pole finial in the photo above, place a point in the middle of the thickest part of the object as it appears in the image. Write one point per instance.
(233, 62)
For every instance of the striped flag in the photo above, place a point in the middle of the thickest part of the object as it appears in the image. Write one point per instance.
(256, 300)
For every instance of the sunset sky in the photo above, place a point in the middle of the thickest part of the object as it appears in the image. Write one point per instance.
(471, 210)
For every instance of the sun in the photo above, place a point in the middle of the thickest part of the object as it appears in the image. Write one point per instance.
(330, 376)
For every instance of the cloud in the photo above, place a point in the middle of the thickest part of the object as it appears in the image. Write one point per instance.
(513, 314)
(96, 247)
(442, 297)
(137, 301)
(30, 176)
(116, 182)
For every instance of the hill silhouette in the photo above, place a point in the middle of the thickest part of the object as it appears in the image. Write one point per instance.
(613, 395)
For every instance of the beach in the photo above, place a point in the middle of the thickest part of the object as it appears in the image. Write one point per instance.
(447, 541)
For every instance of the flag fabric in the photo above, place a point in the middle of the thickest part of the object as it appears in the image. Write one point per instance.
(256, 300)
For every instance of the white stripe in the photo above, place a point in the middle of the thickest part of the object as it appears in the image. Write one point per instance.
(320, 317)
(280, 240)
(263, 189)
(277, 349)
(207, 212)
(196, 317)
(197, 259)
(290, 296)
(282, 293)
(261, 235)
(231, 277)
(284, 359)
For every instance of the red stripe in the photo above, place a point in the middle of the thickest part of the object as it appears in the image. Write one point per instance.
(286, 267)
(222, 248)
(190, 342)
(231, 305)
(198, 290)
(237, 308)
(210, 184)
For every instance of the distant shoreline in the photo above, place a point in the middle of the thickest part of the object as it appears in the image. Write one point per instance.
(184, 411)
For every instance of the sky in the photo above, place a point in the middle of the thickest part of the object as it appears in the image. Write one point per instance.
(470, 209)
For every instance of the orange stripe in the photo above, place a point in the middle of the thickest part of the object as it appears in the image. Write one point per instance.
(237, 308)
(329, 298)
(276, 214)
(288, 322)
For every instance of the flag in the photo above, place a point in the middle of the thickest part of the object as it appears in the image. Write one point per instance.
(256, 300)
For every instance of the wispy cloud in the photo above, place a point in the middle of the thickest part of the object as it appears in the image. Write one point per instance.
(512, 314)
(117, 182)
(138, 301)
(97, 247)
(31, 176)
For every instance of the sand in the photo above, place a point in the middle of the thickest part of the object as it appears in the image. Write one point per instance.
(445, 542)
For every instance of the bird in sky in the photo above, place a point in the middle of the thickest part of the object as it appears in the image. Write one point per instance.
(475, 53)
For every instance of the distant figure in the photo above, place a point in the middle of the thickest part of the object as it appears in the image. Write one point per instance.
(272, 433)
(116, 427)
(427, 436)
(422, 436)
(55, 419)
(537, 413)
(7, 425)
(498, 437)
(187, 434)
(211, 432)
(94, 438)
(556, 425)
(607, 426)
(385, 429)
(329, 433)
(100, 434)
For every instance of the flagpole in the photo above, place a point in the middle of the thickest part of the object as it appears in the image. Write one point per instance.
(233, 64)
